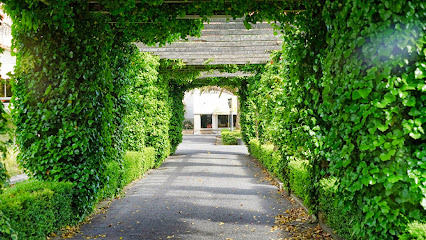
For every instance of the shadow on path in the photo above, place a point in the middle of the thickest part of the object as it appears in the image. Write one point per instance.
(204, 191)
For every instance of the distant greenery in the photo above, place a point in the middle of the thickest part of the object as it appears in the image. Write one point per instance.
(230, 138)
(187, 124)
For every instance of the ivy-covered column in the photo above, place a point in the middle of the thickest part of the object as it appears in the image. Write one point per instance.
(177, 93)
(375, 101)
(62, 94)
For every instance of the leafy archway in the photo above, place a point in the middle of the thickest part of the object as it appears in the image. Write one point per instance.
(346, 94)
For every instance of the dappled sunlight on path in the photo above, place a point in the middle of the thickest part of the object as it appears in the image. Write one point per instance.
(204, 191)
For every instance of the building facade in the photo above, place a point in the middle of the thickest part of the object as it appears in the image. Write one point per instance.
(210, 111)
(7, 59)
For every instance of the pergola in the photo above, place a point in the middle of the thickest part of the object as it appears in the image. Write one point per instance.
(223, 41)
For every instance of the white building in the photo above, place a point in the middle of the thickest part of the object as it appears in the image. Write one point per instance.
(6, 59)
(210, 111)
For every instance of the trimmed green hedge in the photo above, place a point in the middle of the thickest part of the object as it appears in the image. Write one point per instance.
(335, 215)
(269, 158)
(254, 148)
(137, 163)
(230, 138)
(37, 208)
(299, 179)
(300, 182)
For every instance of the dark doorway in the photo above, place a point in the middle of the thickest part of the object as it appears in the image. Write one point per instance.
(206, 121)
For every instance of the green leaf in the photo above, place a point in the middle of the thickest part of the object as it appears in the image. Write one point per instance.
(356, 95)
(369, 215)
(347, 53)
(383, 127)
(388, 155)
(364, 92)
(48, 89)
(415, 135)
(410, 102)
(389, 98)
(394, 179)
(384, 14)
(419, 73)
(247, 24)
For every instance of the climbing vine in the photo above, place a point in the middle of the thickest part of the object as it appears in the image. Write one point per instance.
(346, 94)
(374, 101)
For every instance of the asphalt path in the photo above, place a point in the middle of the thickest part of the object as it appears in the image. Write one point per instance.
(203, 191)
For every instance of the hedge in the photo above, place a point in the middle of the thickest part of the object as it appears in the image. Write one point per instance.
(334, 213)
(37, 208)
(135, 164)
(269, 158)
(230, 138)
(300, 180)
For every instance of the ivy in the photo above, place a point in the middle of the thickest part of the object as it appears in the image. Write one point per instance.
(374, 101)
(346, 95)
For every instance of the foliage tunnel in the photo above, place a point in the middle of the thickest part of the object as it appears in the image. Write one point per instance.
(346, 96)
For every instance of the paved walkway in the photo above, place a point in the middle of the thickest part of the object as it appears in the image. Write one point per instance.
(204, 191)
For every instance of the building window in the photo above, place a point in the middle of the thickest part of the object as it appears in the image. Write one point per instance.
(206, 121)
(222, 121)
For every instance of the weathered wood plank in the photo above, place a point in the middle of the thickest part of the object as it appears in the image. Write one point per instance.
(223, 42)
(213, 32)
(223, 74)
(225, 61)
(216, 25)
(225, 49)
(232, 38)
(213, 56)
(202, 44)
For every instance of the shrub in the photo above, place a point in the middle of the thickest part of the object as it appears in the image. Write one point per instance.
(335, 215)
(113, 185)
(299, 179)
(270, 159)
(254, 148)
(415, 231)
(136, 163)
(37, 208)
(149, 155)
(278, 166)
(6, 232)
(267, 150)
(230, 138)
(133, 165)
(187, 124)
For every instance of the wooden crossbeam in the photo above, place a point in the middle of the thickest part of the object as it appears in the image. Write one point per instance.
(215, 74)
(222, 42)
